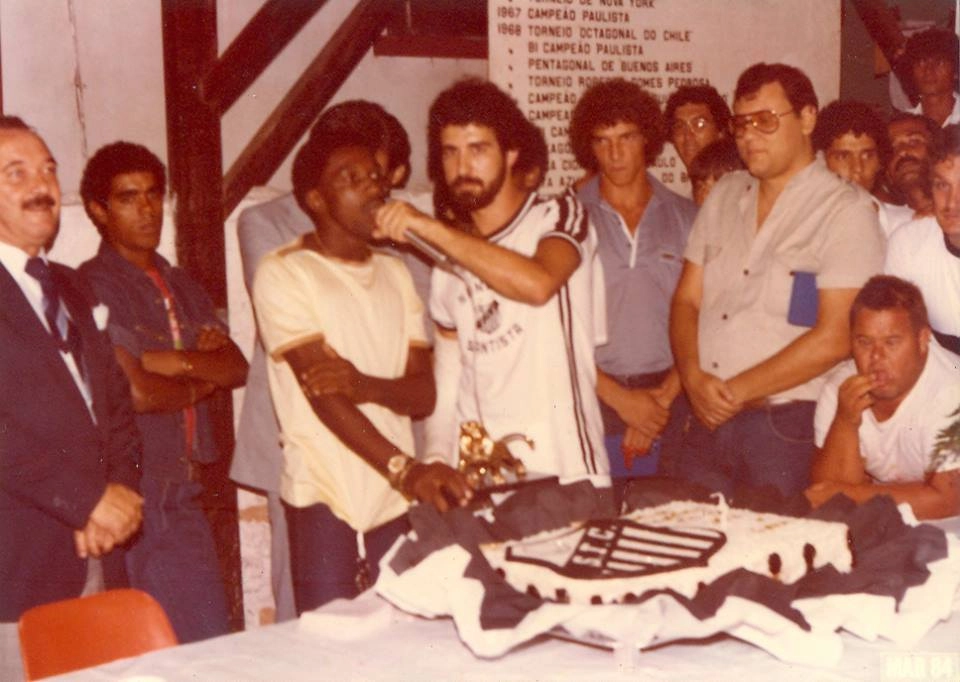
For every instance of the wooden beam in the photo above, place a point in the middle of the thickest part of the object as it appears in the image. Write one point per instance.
(884, 27)
(276, 138)
(194, 142)
(255, 47)
(195, 177)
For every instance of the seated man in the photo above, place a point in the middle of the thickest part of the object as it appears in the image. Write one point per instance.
(175, 353)
(880, 414)
(926, 251)
(348, 366)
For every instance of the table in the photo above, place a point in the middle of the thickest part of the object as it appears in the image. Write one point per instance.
(402, 647)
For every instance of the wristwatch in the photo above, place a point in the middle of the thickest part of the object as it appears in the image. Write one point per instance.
(397, 468)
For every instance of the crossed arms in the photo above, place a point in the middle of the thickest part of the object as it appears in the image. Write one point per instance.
(334, 387)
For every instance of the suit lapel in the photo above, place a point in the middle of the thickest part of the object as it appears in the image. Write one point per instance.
(79, 310)
(18, 316)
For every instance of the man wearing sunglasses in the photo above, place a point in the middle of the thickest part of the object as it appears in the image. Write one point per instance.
(776, 256)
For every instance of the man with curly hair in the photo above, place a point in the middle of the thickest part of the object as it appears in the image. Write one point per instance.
(617, 131)
(514, 304)
(854, 142)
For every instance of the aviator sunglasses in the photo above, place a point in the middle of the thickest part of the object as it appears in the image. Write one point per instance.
(762, 121)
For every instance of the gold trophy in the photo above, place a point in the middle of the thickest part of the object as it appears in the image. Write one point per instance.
(483, 460)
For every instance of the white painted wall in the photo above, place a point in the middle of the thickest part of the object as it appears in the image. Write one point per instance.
(87, 72)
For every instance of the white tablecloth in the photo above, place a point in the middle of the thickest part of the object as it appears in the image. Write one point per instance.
(392, 645)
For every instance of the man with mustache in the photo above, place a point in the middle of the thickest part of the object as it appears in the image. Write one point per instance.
(926, 251)
(349, 365)
(879, 415)
(69, 447)
(514, 305)
(774, 260)
(908, 170)
(175, 353)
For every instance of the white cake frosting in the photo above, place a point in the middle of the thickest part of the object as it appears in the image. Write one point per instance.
(677, 546)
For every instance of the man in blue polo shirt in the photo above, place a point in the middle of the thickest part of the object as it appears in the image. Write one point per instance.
(617, 131)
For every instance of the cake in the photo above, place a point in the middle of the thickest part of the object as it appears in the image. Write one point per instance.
(677, 546)
(664, 562)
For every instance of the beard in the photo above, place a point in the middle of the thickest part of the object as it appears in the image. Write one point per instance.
(465, 198)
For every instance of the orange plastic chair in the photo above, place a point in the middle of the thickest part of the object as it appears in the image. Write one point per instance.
(78, 633)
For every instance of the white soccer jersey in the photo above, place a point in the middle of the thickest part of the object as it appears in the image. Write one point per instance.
(530, 369)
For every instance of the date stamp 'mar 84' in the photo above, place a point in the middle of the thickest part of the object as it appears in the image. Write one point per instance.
(925, 666)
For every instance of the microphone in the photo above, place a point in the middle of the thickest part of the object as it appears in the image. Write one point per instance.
(428, 249)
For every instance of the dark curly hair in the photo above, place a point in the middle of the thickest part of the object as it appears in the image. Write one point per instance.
(608, 103)
(313, 156)
(795, 83)
(112, 160)
(374, 120)
(849, 116)
(699, 94)
(479, 102)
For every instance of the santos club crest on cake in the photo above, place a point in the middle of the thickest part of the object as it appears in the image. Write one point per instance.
(677, 546)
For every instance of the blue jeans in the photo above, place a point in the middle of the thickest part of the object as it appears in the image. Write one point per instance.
(174, 560)
(614, 428)
(645, 465)
(767, 446)
(324, 559)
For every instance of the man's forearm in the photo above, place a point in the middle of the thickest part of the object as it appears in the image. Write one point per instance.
(608, 390)
(226, 367)
(926, 501)
(412, 395)
(507, 272)
(839, 460)
(806, 358)
(684, 330)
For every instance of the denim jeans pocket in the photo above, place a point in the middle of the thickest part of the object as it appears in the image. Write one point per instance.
(792, 422)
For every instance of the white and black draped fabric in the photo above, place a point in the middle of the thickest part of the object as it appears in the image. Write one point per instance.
(904, 580)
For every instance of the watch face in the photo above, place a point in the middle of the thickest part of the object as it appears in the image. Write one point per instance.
(396, 463)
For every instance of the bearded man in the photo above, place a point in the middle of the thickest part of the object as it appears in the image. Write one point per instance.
(515, 302)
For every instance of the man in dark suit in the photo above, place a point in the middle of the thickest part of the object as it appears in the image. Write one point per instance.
(69, 447)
